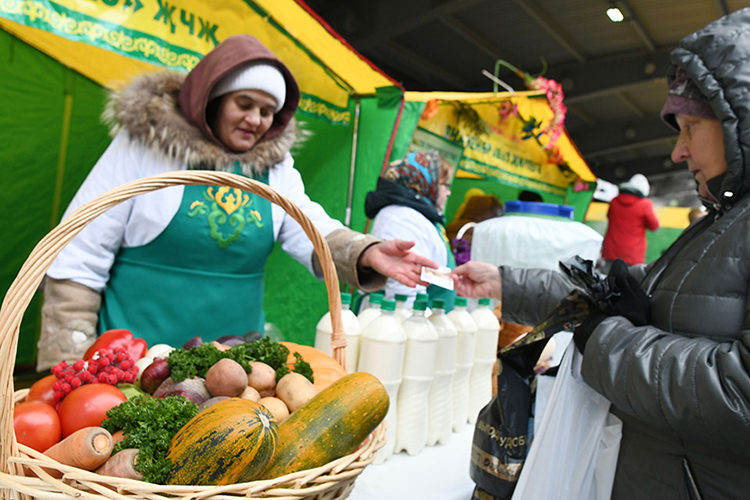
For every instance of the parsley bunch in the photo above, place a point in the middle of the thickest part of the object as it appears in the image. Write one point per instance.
(149, 425)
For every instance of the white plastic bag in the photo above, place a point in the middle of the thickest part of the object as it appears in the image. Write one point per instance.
(574, 454)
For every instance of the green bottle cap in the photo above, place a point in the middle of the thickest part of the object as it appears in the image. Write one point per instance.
(422, 296)
(438, 304)
(484, 302)
(420, 305)
(400, 297)
(346, 298)
(376, 298)
(388, 305)
(460, 301)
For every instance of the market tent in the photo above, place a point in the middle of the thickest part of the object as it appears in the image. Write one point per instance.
(58, 60)
(497, 142)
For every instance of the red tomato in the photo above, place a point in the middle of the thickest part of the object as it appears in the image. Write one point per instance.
(37, 425)
(42, 390)
(87, 406)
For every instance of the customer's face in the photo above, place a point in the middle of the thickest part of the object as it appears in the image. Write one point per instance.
(243, 118)
(701, 145)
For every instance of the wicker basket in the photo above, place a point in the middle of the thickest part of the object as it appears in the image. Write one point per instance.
(332, 481)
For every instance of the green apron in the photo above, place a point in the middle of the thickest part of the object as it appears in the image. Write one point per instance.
(203, 275)
(438, 292)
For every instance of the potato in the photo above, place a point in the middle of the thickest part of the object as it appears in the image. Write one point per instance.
(295, 391)
(251, 394)
(277, 408)
(220, 346)
(226, 378)
(262, 378)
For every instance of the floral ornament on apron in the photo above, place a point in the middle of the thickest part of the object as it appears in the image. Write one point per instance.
(228, 212)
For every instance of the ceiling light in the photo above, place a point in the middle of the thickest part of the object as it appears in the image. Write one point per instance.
(615, 15)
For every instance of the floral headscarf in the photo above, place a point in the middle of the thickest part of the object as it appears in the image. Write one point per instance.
(419, 172)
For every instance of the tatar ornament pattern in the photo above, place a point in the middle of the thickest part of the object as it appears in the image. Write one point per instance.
(228, 211)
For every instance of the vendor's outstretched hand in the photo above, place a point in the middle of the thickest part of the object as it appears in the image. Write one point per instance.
(478, 280)
(393, 258)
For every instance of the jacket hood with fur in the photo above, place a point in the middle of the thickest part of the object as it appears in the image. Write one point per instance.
(147, 109)
(167, 112)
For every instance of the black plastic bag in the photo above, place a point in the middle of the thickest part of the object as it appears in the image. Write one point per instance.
(502, 435)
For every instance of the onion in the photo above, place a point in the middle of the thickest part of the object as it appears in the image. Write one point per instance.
(230, 340)
(194, 342)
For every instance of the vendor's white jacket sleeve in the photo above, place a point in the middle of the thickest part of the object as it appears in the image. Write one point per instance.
(88, 258)
(286, 180)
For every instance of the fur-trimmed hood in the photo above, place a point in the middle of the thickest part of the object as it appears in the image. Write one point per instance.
(147, 108)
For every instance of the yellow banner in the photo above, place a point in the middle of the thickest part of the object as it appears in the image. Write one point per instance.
(497, 119)
(498, 144)
(175, 34)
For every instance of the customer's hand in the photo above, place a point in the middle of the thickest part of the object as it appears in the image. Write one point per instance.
(630, 301)
(582, 332)
(477, 280)
(394, 259)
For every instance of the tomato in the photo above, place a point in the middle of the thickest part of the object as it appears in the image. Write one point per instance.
(42, 390)
(37, 425)
(87, 406)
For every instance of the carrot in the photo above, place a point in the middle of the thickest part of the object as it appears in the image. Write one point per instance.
(87, 448)
(118, 436)
(121, 464)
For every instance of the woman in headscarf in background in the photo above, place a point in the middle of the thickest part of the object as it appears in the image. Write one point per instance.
(408, 202)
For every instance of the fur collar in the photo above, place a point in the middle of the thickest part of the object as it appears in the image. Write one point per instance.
(147, 108)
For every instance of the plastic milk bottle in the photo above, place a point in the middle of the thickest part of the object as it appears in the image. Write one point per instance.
(424, 296)
(485, 356)
(440, 421)
(381, 353)
(372, 310)
(419, 371)
(403, 311)
(352, 328)
(467, 333)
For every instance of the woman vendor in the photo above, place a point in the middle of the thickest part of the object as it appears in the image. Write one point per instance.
(189, 260)
(408, 202)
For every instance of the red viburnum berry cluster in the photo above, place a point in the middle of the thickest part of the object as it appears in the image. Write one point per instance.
(108, 366)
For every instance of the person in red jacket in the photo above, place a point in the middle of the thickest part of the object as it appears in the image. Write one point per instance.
(630, 215)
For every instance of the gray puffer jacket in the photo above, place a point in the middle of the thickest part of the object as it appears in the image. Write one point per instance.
(681, 385)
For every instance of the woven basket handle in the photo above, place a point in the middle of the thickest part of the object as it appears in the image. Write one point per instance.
(32, 272)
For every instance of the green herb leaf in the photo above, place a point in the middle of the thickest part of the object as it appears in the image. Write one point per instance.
(149, 425)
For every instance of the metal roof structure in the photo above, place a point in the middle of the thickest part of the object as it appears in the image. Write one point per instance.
(613, 73)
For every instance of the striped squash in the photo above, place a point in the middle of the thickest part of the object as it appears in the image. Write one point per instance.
(331, 425)
(229, 442)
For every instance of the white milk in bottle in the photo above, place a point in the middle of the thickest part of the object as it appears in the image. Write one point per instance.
(485, 356)
(440, 420)
(465, 345)
(419, 371)
(403, 311)
(372, 310)
(381, 353)
(352, 329)
(424, 296)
